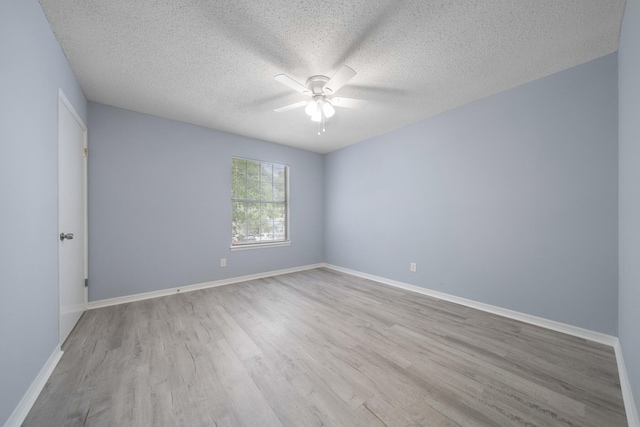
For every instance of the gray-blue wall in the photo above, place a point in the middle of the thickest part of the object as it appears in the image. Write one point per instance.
(510, 200)
(32, 67)
(629, 231)
(160, 204)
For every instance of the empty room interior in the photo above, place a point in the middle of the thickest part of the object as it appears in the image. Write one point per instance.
(339, 213)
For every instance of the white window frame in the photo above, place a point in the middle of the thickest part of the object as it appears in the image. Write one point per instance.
(265, 244)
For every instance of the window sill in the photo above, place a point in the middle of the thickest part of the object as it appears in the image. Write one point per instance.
(260, 245)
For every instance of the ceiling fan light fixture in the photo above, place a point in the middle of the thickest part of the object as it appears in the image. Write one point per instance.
(312, 107)
(328, 110)
(317, 115)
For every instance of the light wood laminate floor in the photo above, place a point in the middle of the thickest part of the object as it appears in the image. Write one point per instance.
(321, 348)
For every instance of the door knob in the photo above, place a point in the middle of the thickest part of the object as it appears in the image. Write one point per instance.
(67, 236)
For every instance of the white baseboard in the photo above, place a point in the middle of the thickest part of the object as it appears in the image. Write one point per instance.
(189, 288)
(22, 410)
(625, 385)
(511, 314)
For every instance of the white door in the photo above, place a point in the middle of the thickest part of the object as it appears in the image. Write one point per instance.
(72, 138)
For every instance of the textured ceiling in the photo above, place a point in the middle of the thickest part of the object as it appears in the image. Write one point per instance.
(212, 63)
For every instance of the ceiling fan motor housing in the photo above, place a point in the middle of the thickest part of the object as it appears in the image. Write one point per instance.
(316, 84)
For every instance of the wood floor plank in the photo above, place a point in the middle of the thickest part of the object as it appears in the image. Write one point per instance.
(322, 348)
(273, 382)
(249, 405)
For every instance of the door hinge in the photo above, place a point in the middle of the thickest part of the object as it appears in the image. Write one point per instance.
(86, 152)
(86, 283)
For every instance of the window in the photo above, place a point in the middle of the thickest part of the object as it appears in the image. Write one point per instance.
(259, 199)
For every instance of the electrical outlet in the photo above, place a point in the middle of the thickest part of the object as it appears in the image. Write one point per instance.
(413, 267)
(223, 262)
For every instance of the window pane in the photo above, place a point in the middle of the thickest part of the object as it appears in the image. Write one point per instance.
(253, 231)
(254, 190)
(279, 230)
(278, 174)
(238, 187)
(266, 222)
(238, 221)
(253, 212)
(278, 212)
(267, 172)
(267, 212)
(279, 192)
(267, 192)
(238, 214)
(266, 179)
(253, 170)
(238, 167)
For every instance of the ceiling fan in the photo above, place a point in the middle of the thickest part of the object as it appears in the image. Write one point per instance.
(319, 88)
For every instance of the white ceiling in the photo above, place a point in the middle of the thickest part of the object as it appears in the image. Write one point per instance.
(212, 63)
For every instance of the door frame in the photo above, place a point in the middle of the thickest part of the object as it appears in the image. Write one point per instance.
(64, 101)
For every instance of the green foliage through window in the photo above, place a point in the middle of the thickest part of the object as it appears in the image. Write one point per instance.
(259, 202)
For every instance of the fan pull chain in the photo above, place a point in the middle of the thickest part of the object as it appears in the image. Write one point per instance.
(322, 117)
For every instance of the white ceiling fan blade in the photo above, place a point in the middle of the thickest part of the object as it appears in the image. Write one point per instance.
(347, 102)
(286, 80)
(291, 106)
(343, 75)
